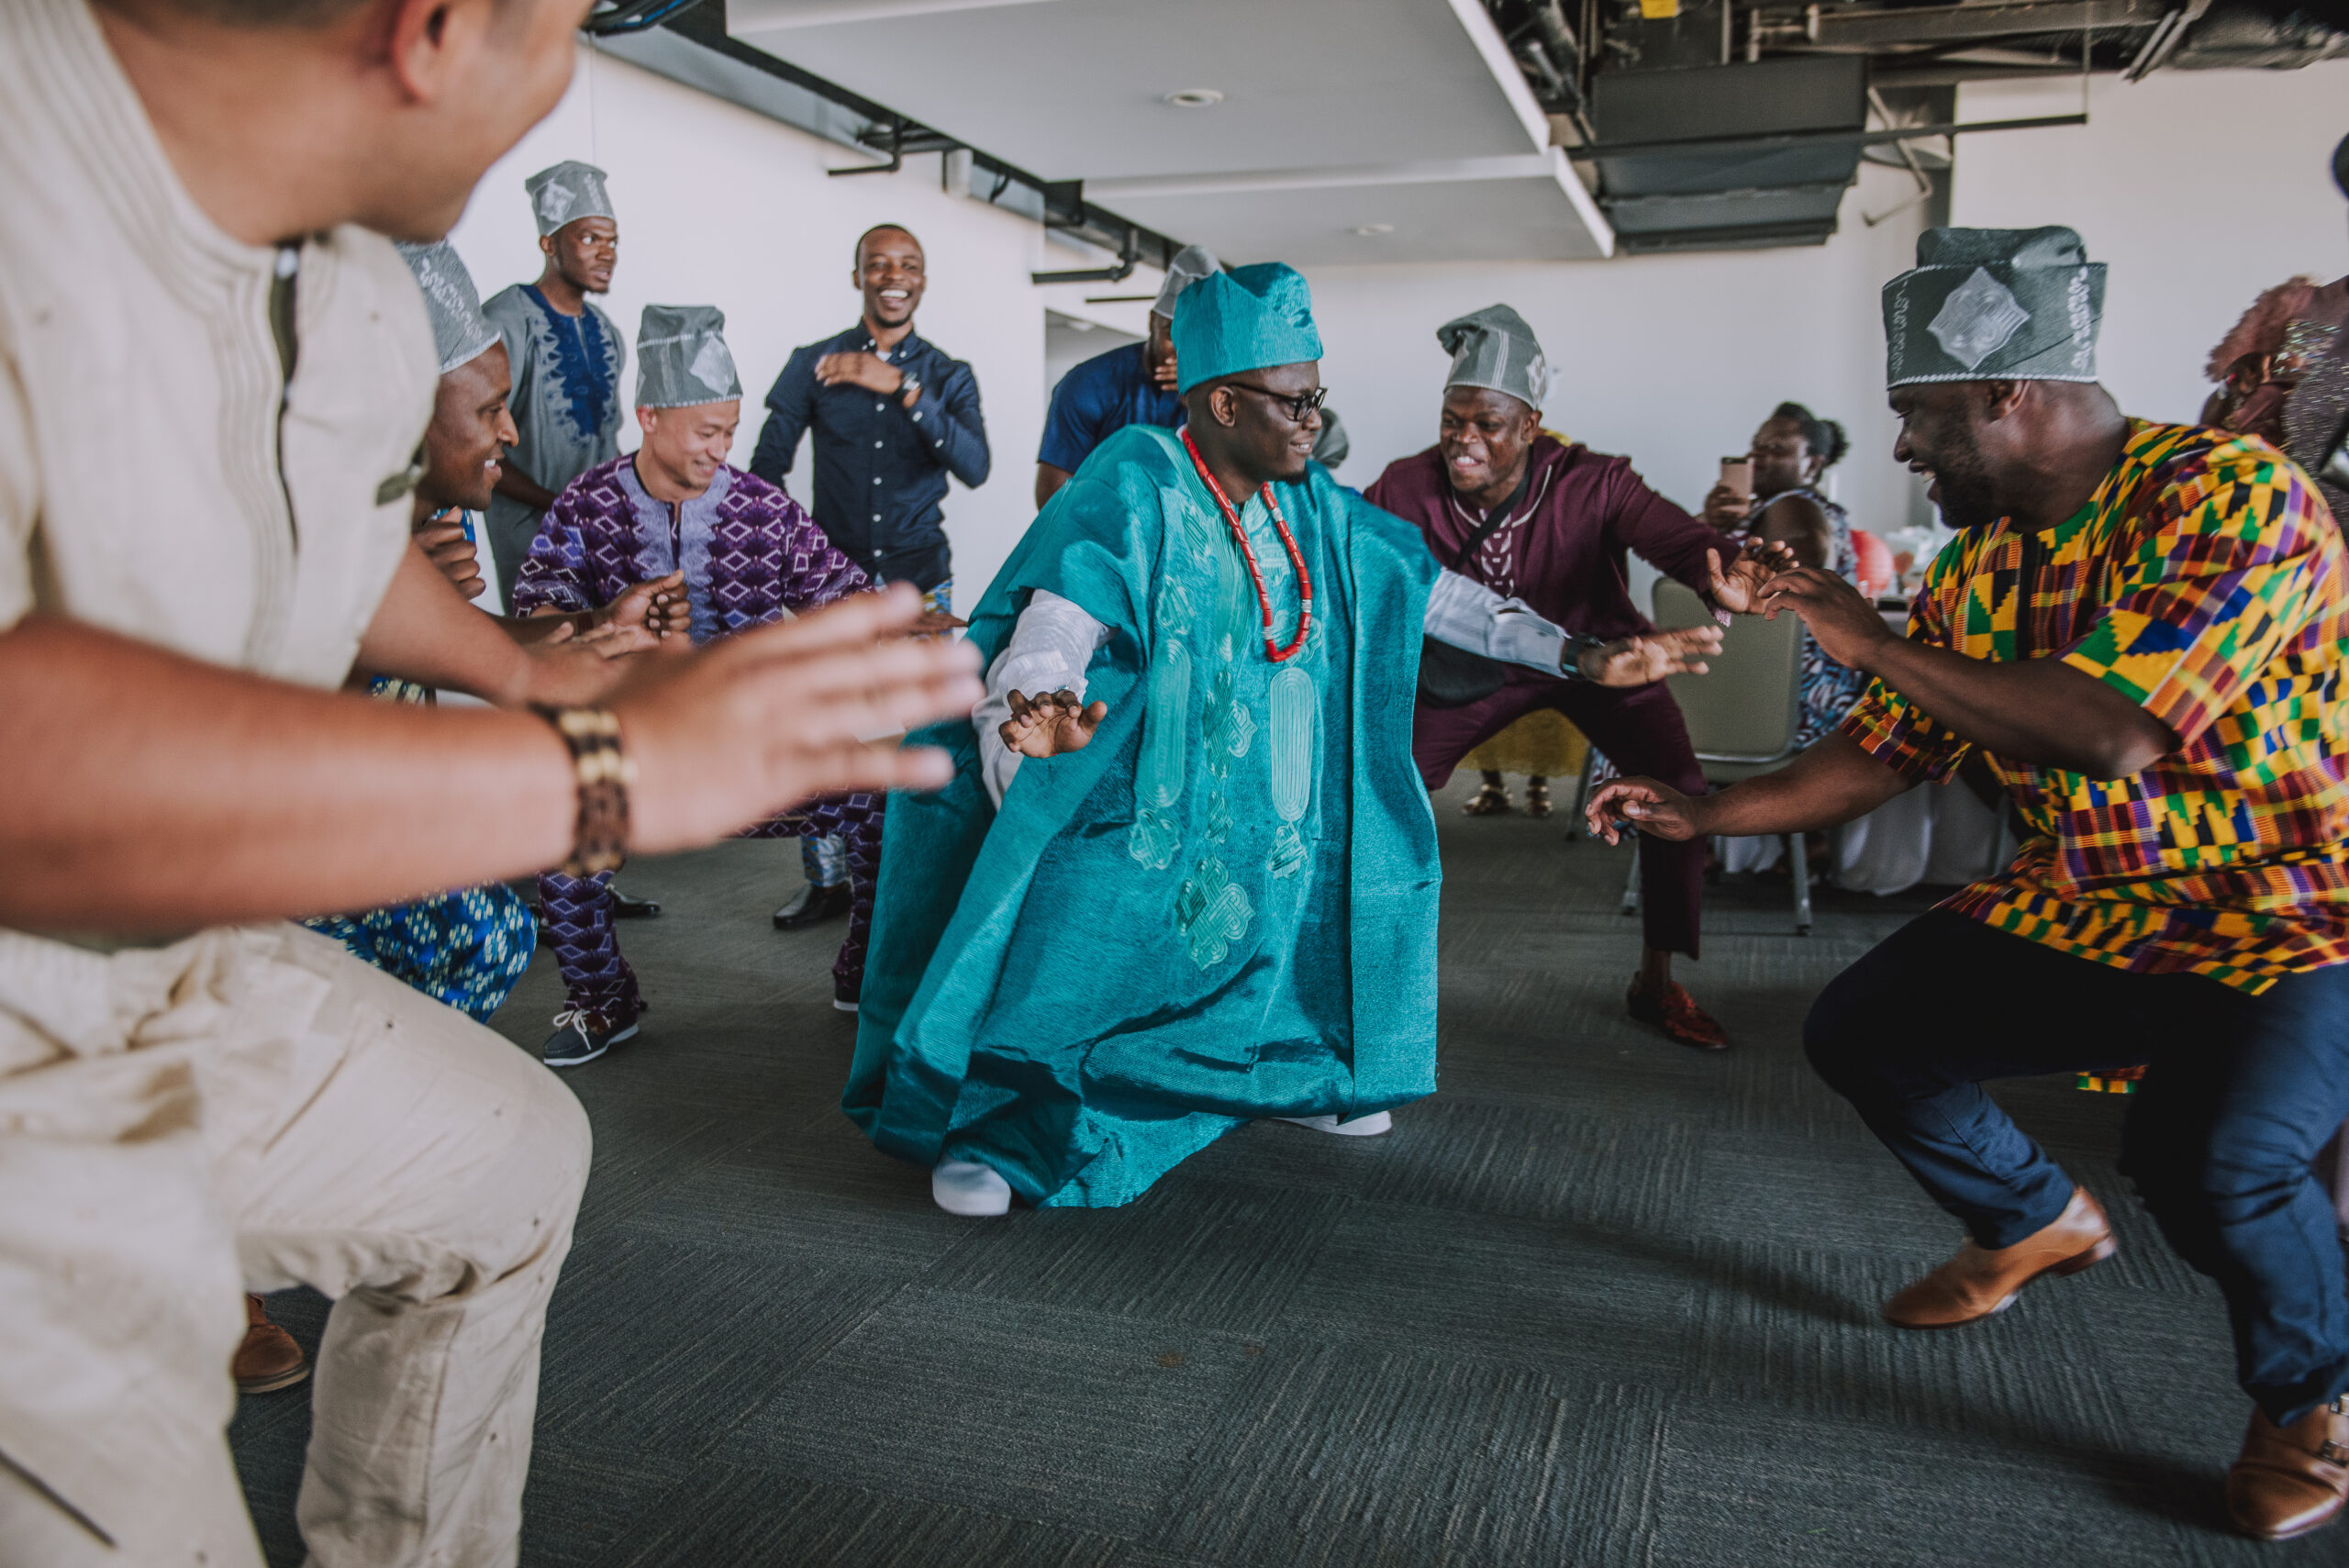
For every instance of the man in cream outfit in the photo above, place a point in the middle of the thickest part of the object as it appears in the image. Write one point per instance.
(206, 444)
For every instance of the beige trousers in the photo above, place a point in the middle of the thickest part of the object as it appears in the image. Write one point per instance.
(254, 1108)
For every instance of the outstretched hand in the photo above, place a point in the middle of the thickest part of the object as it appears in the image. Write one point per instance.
(1637, 661)
(1051, 723)
(1653, 807)
(1847, 626)
(1739, 589)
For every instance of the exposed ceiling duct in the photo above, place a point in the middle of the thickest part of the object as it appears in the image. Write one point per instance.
(1717, 124)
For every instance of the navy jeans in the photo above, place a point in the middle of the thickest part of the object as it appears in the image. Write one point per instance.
(2243, 1093)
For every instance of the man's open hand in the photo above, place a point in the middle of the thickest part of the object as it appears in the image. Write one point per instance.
(756, 724)
(870, 372)
(1637, 661)
(1051, 723)
(1847, 627)
(1736, 589)
(1653, 807)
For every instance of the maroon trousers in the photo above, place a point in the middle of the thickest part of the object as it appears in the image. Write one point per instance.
(1640, 730)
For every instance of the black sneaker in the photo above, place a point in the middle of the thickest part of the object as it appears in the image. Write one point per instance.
(813, 907)
(846, 993)
(582, 1035)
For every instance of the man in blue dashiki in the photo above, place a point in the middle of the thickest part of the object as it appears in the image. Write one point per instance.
(749, 555)
(1131, 384)
(1208, 896)
(566, 360)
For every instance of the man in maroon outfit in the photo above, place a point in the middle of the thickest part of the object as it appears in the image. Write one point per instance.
(1569, 515)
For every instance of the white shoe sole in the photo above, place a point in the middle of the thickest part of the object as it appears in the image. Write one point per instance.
(969, 1189)
(1370, 1126)
(840, 1006)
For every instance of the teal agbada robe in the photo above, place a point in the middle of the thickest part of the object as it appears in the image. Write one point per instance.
(1223, 908)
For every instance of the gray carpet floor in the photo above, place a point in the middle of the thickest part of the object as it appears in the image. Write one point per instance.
(1601, 1301)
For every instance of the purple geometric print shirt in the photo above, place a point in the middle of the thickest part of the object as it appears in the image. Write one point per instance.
(749, 551)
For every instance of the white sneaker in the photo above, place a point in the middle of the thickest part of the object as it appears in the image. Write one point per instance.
(1369, 1126)
(970, 1189)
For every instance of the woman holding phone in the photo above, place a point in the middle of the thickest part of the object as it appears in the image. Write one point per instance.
(1780, 502)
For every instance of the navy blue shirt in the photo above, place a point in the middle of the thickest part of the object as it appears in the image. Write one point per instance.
(881, 467)
(1098, 398)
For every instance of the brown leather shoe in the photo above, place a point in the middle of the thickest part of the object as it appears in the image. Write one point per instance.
(269, 1359)
(1981, 1281)
(2291, 1480)
(1675, 1012)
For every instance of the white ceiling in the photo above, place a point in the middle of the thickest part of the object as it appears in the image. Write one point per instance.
(1335, 114)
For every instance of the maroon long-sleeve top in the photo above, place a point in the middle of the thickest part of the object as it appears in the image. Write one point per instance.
(1565, 548)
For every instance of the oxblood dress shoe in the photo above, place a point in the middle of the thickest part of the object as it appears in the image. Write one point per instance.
(1981, 1280)
(2291, 1480)
(269, 1359)
(814, 906)
(1675, 1012)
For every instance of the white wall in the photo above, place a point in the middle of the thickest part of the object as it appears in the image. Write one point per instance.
(1669, 359)
(2200, 188)
(720, 206)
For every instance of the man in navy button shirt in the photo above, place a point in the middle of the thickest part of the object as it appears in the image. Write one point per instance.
(893, 416)
(1133, 385)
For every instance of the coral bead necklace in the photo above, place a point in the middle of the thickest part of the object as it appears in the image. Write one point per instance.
(1288, 540)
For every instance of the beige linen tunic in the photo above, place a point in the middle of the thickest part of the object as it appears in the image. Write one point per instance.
(160, 478)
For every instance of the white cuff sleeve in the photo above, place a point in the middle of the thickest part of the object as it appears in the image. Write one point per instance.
(1050, 648)
(1465, 614)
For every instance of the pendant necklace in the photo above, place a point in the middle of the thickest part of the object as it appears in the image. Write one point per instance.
(1288, 540)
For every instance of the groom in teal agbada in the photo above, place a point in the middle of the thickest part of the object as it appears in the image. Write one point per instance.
(1192, 882)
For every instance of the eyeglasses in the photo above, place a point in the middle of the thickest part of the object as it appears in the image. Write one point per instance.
(1298, 405)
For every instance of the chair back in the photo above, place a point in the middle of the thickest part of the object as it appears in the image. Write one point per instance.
(1746, 709)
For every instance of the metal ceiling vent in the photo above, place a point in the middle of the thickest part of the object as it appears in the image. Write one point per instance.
(1726, 124)
(1762, 182)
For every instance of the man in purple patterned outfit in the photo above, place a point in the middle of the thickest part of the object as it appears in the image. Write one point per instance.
(749, 554)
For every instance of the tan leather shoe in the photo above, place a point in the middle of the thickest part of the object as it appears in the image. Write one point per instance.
(269, 1359)
(1981, 1281)
(2291, 1480)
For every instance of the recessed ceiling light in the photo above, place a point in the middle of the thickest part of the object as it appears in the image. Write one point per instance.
(1195, 98)
(1368, 229)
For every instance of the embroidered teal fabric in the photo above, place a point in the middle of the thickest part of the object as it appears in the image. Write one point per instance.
(1223, 908)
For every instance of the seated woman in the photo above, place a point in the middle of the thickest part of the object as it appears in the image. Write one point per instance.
(1791, 451)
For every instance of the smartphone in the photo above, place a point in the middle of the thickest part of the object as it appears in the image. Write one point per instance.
(1736, 473)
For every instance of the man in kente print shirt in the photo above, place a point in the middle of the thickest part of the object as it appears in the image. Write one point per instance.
(2140, 632)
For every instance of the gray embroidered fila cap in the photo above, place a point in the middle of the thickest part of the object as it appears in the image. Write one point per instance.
(1984, 304)
(1493, 348)
(1191, 263)
(567, 193)
(682, 359)
(461, 334)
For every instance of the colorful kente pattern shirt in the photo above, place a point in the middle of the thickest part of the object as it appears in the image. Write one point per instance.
(748, 550)
(2206, 579)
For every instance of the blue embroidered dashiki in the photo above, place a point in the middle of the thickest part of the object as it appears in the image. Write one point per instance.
(566, 403)
(1223, 908)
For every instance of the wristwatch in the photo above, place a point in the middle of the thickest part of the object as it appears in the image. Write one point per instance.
(909, 384)
(1570, 654)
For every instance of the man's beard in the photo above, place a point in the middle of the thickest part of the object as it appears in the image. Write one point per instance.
(1967, 500)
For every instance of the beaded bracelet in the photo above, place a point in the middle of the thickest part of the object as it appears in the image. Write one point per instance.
(592, 736)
